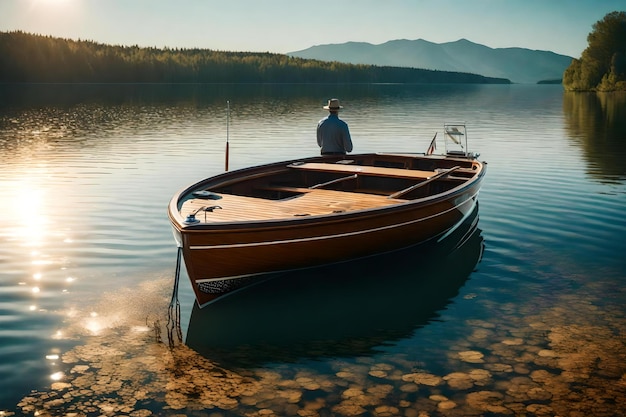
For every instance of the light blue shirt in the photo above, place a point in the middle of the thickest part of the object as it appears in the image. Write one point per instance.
(333, 134)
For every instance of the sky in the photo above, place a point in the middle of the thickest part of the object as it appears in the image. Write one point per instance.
(283, 26)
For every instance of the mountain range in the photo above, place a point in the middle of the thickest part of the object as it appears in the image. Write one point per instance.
(519, 65)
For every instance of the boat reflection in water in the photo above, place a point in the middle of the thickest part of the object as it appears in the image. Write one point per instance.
(340, 310)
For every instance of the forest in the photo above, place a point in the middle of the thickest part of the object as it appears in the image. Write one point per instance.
(602, 65)
(31, 58)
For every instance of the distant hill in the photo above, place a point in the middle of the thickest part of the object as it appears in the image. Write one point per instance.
(516, 64)
(29, 58)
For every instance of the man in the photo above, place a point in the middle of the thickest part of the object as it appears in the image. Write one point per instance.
(333, 135)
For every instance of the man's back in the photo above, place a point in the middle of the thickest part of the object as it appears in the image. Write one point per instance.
(333, 135)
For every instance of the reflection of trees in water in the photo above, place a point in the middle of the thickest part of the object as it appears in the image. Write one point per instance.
(22, 96)
(599, 121)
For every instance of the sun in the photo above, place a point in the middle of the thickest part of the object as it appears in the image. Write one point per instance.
(57, 2)
(50, 16)
(34, 4)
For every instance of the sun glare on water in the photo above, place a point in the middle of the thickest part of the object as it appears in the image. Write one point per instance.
(26, 210)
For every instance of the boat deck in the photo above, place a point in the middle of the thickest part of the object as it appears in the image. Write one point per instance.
(308, 202)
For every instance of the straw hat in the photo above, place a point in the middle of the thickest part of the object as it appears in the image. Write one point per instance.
(333, 104)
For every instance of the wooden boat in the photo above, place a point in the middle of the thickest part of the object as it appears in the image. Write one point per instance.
(237, 227)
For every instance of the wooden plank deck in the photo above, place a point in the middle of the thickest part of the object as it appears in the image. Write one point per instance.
(311, 202)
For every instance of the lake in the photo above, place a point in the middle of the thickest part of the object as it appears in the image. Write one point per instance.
(521, 313)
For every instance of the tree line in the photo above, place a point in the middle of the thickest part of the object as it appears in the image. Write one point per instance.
(602, 65)
(31, 58)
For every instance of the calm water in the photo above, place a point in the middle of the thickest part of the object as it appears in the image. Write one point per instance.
(525, 314)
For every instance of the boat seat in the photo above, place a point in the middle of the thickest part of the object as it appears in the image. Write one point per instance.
(287, 189)
(363, 170)
(373, 194)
